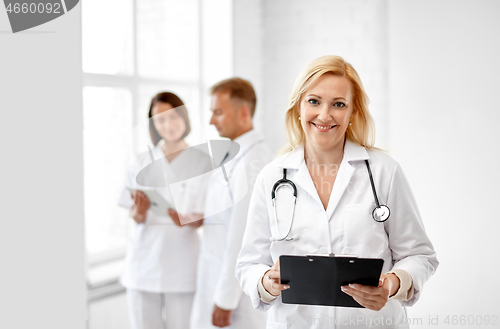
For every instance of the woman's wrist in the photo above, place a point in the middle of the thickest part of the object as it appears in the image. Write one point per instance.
(406, 289)
(395, 284)
(264, 294)
(262, 281)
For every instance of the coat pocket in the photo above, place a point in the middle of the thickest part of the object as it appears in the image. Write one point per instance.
(363, 236)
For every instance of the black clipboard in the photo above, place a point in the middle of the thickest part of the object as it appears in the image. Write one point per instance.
(316, 280)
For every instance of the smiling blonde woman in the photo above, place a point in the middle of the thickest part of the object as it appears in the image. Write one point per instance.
(361, 129)
(329, 126)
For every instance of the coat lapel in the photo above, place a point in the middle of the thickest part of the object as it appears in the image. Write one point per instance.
(295, 160)
(352, 152)
(344, 176)
(304, 180)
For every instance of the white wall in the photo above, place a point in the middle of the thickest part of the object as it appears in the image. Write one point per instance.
(42, 280)
(296, 32)
(271, 41)
(216, 52)
(248, 50)
(233, 47)
(444, 116)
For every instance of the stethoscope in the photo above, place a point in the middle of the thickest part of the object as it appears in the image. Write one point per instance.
(227, 176)
(380, 213)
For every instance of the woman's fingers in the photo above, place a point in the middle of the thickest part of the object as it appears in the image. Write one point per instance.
(273, 275)
(278, 286)
(142, 201)
(373, 298)
(136, 196)
(142, 196)
(276, 266)
(274, 281)
(140, 207)
(362, 292)
(174, 216)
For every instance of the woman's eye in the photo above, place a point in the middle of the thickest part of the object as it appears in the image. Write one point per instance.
(339, 104)
(313, 101)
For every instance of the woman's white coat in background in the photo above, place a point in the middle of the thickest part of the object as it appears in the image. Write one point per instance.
(223, 229)
(346, 227)
(161, 256)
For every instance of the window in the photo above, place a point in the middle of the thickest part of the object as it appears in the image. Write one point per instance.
(132, 49)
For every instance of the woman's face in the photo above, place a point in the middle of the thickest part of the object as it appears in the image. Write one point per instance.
(325, 111)
(169, 124)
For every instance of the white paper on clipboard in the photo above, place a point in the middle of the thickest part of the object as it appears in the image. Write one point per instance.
(158, 204)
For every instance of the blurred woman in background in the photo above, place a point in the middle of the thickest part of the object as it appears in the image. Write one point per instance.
(160, 270)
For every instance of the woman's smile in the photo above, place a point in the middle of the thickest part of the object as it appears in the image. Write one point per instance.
(323, 128)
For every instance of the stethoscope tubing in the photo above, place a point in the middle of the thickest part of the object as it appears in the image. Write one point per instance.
(387, 211)
(286, 238)
(227, 176)
(280, 183)
(372, 183)
(286, 182)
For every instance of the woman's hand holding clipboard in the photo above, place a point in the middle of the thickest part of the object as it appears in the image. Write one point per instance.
(374, 298)
(272, 281)
(140, 207)
(330, 280)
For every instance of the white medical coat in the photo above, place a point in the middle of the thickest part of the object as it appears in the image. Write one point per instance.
(346, 227)
(161, 256)
(222, 236)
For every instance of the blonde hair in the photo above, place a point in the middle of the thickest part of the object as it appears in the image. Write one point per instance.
(362, 128)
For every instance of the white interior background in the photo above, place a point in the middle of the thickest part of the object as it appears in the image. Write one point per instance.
(431, 70)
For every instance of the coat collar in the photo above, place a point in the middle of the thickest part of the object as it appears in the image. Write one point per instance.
(238, 147)
(244, 142)
(248, 139)
(295, 158)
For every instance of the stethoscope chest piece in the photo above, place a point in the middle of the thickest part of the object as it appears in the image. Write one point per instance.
(381, 213)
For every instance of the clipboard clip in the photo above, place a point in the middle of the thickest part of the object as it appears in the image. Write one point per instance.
(343, 255)
(332, 255)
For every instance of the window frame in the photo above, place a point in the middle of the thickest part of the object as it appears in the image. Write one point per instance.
(132, 83)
